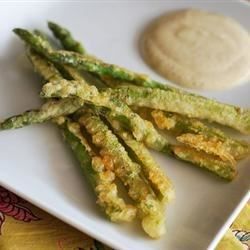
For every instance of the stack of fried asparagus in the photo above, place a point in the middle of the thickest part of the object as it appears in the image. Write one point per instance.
(109, 115)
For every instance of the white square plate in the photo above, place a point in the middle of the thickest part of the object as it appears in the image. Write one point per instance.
(37, 165)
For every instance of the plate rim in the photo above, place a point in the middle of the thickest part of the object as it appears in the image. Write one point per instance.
(219, 235)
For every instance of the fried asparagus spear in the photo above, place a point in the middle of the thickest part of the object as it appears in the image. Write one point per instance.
(160, 183)
(168, 98)
(184, 104)
(49, 110)
(208, 145)
(213, 163)
(197, 134)
(150, 210)
(98, 172)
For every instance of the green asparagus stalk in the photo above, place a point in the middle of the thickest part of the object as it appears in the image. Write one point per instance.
(184, 104)
(210, 146)
(64, 35)
(49, 110)
(224, 169)
(45, 68)
(170, 99)
(99, 176)
(128, 171)
(159, 181)
(196, 133)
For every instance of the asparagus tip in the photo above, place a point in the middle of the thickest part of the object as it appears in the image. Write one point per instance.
(52, 25)
(25, 35)
(19, 31)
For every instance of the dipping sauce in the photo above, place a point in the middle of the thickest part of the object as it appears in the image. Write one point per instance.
(198, 49)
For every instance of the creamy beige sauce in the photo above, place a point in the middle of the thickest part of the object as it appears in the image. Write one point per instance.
(198, 49)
